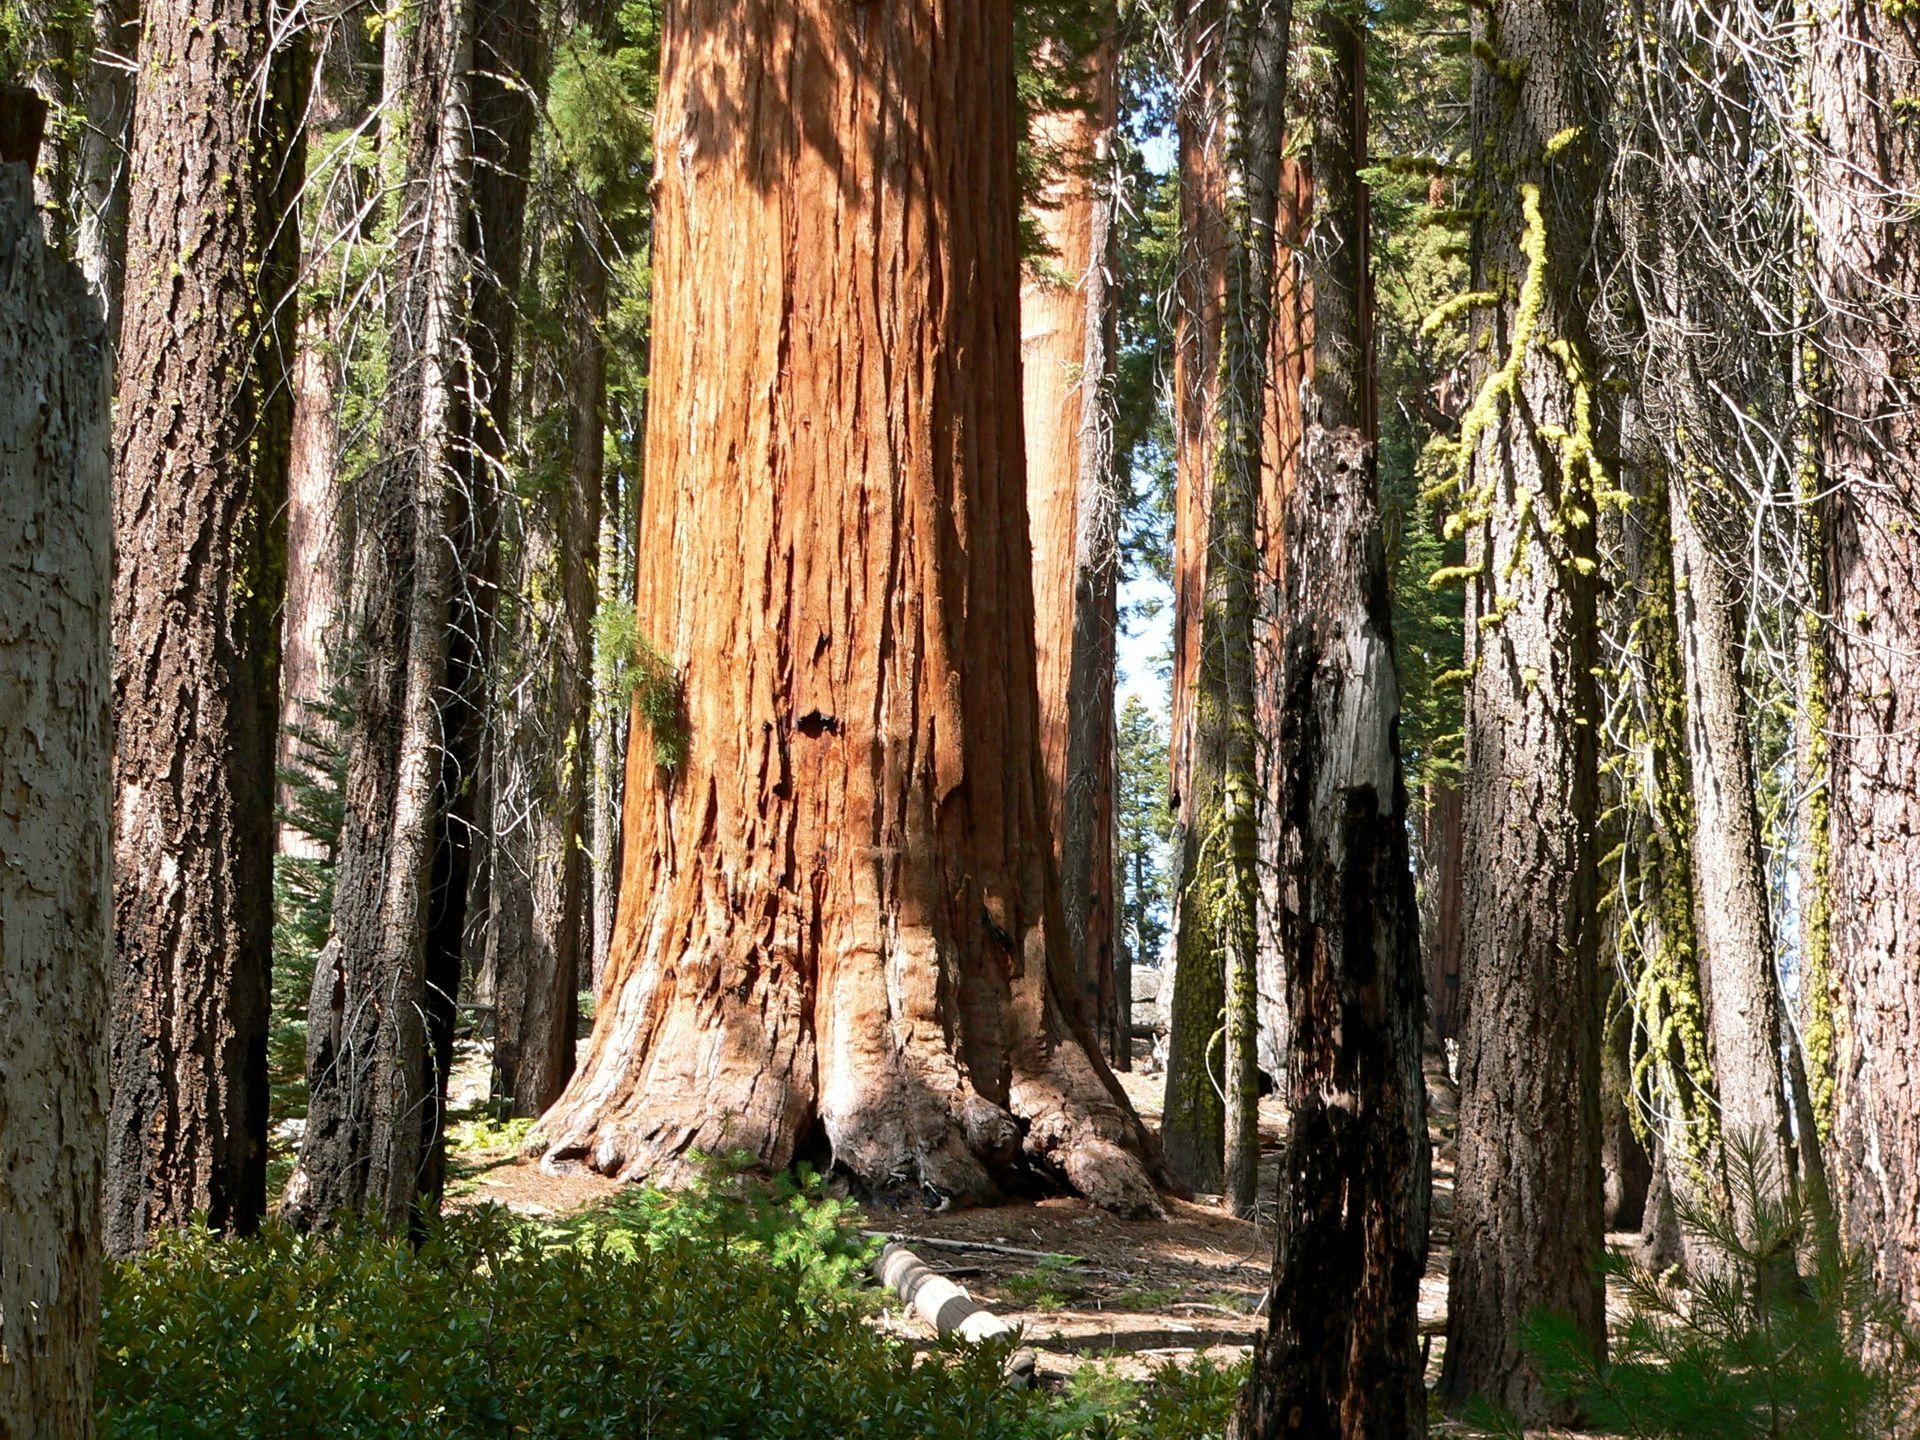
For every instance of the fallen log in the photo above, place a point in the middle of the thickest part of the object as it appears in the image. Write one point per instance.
(948, 1308)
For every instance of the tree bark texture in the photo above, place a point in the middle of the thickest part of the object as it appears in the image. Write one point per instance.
(540, 934)
(1342, 1355)
(55, 753)
(1527, 1223)
(200, 483)
(320, 541)
(374, 1116)
(1289, 364)
(1443, 876)
(839, 916)
(1867, 257)
(1193, 1114)
(1067, 342)
(1736, 925)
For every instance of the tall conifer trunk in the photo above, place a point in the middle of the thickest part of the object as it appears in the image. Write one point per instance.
(200, 478)
(1867, 262)
(1528, 1200)
(56, 548)
(1067, 322)
(839, 919)
(374, 1120)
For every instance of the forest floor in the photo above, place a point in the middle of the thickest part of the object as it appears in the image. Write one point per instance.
(1088, 1288)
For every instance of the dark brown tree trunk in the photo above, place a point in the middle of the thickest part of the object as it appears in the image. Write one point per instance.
(839, 914)
(313, 638)
(1068, 316)
(1867, 259)
(1443, 929)
(1193, 1115)
(541, 934)
(56, 546)
(374, 1118)
(1342, 1355)
(1527, 1224)
(200, 480)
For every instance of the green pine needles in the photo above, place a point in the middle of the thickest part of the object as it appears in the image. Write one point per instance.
(629, 665)
(1782, 1335)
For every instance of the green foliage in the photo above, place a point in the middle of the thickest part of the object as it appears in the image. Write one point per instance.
(303, 894)
(1758, 1349)
(735, 1308)
(1049, 1285)
(1145, 826)
(630, 666)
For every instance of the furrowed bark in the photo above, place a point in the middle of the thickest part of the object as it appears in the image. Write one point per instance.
(839, 918)
(56, 545)
(1867, 268)
(374, 1118)
(200, 479)
(1527, 1205)
(1068, 319)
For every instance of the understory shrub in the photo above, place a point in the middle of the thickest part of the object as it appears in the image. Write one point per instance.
(734, 1310)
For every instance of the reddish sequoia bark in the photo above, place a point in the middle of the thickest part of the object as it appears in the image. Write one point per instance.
(839, 913)
(1067, 322)
(200, 479)
(1867, 252)
(56, 548)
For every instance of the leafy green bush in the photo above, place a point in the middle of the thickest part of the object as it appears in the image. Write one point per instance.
(1782, 1334)
(734, 1309)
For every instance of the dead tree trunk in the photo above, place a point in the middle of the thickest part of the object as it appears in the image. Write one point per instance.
(839, 914)
(56, 546)
(1867, 258)
(200, 477)
(1067, 342)
(1341, 1356)
(374, 1118)
(1527, 1223)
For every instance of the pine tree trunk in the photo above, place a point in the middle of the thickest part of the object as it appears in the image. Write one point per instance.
(1867, 254)
(200, 477)
(100, 235)
(1342, 1355)
(1067, 321)
(374, 1116)
(1443, 875)
(839, 915)
(1736, 928)
(320, 542)
(540, 934)
(1238, 76)
(55, 751)
(611, 719)
(1193, 987)
(1527, 1224)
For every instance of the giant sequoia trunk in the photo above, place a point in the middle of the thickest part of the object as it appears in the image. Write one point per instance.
(374, 1118)
(839, 916)
(200, 481)
(1867, 251)
(1067, 339)
(55, 745)
(1527, 1206)
(1341, 1356)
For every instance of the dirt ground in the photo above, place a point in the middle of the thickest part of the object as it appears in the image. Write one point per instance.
(1128, 1294)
